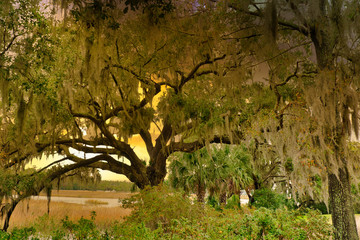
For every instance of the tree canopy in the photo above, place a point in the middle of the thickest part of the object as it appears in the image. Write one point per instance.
(280, 76)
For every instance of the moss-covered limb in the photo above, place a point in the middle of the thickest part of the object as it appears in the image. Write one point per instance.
(38, 182)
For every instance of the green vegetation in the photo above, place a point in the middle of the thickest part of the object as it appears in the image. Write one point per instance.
(162, 214)
(95, 202)
(271, 200)
(103, 185)
(221, 171)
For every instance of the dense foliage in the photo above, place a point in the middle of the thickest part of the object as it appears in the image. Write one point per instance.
(271, 200)
(220, 171)
(161, 214)
(80, 80)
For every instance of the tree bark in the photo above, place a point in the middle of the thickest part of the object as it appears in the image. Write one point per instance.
(156, 172)
(339, 187)
(8, 215)
(341, 207)
(223, 198)
(200, 193)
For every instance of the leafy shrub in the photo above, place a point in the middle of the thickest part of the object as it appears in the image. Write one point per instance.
(19, 233)
(320, 206)
(132, 230)
(161, 214)
(178, 218)
(269, 199)
(46, 224)
(83, 229)
(212, 202)
(158, 206)
(233, 202)
(284, 224)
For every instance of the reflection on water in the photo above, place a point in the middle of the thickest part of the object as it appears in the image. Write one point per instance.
(110, 201)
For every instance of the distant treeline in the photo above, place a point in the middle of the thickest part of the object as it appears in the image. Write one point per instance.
(104, 185)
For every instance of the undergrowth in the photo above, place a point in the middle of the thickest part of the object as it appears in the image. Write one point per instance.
(161, 214)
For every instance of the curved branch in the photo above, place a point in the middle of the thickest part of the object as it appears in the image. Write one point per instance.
(132, 72)
(196, 145)
(110, 164)
(9, 44)
(83, 115)
(193, 73)
(146, 136)
(284, 23)
(279, 54)
(118, 109)
(94, 149)
(123, 147)
(49, 165)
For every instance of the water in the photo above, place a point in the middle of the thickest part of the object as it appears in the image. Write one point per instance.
(111, 202)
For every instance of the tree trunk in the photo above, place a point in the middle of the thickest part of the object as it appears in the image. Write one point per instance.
(8, 215)
(250, 196)
(223, 198)
(156, 172)
(200, 193)
(341, 207)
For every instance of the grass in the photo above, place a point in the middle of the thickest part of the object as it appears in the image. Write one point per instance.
(28, 211)
(95, 202)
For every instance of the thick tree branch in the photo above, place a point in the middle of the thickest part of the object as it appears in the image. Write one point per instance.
(5, 49)
(297, 13)
(112, 165)
(49, 165)
(84, 115)
(94, 149)
(72, 142)
(146, 136)
(196, 145)
(284, 23)
(163, 138)
(110, 162)
(132, 72)
(193, 72)
(279, 54)
(114, 112)
(122, 147)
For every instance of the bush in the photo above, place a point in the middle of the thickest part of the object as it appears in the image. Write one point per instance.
(158, 206)
(233, 202)
(229, 224)
(161, 214)
(284, 224)
(19, 233)
(212, 202)
(321, 206)
(83, 229)
(269, 199)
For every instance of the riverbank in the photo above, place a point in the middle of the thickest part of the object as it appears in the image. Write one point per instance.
(88, 194)
(74, 204)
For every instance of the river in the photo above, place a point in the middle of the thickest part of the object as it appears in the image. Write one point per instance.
(111, 202)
